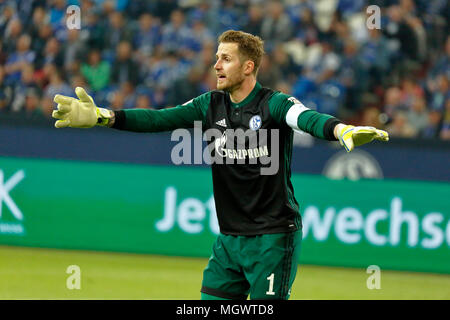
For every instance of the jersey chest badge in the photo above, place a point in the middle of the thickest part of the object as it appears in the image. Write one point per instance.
(255, 123)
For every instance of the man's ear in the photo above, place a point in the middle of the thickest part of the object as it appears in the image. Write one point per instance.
(249, 66)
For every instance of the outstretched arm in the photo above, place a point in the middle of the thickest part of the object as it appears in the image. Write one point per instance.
(324, 126)
(83, 113)
(287, 109)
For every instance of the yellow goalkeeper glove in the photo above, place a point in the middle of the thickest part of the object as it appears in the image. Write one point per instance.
(350, 136)
(79, 113)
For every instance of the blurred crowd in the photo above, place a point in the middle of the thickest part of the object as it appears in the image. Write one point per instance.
(160, 53)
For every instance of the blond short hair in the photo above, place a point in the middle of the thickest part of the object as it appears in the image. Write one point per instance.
(250, 47)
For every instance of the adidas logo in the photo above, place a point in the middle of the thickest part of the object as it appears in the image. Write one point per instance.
(222, 123)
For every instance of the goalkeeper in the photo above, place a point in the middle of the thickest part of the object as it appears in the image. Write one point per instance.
(258, 247)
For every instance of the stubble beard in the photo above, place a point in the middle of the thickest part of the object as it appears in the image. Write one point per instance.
(234, 85)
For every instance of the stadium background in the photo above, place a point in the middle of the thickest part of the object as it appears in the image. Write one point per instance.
(102, 190)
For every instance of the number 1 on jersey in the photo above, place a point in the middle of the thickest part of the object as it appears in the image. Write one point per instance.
(271, 279)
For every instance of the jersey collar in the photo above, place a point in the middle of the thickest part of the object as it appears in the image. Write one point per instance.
(248, 98)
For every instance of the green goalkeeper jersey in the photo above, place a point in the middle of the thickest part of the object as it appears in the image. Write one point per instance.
(250, 150)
